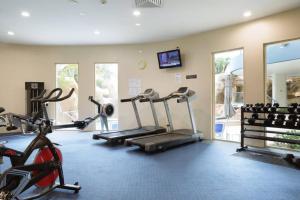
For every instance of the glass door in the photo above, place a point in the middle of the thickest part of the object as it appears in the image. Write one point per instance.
(106, 90)
(66, 79)
(282, 83)
(229, 94)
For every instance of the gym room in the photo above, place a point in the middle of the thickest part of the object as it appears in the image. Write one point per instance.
(150, 99)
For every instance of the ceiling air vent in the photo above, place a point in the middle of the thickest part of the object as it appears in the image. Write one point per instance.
(148, 3)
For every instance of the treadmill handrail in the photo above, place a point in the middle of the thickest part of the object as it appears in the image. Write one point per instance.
(144, 100)
(130, 99)
(173, 95)
(166, 98)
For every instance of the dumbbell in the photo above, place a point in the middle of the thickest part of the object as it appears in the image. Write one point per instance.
(267, 107)
(291, 122)
(292, 108)
(253, 108)
(259, 106)
(253, 118)
(279, 120)
(245, 107)
(269, 120)
(274, 107)
(298, 109)
(248, 107)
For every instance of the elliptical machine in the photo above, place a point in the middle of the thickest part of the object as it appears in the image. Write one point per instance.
(46, 167)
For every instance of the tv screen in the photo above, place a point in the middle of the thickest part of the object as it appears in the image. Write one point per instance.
(169, 59)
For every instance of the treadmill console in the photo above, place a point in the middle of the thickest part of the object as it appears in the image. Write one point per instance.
(148, 91)
(183, 90)
(183, 93)
(149, 94)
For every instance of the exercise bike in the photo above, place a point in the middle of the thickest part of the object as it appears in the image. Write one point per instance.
(46, 167)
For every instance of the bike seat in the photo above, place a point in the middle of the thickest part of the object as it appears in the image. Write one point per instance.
(2, 109)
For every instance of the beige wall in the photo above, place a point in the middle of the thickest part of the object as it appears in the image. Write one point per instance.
(37, 63)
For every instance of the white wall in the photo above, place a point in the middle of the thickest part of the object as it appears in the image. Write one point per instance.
(37, 63)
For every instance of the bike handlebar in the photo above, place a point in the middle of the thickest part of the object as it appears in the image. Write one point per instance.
(57, 99)
(41, 95)
(51, 97)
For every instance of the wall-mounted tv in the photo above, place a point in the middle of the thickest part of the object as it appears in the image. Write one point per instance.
(169, 59)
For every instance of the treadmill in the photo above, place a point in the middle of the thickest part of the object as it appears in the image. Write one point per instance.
(172, 138)
(118, 137)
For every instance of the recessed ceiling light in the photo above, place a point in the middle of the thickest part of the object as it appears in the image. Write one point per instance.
(10, 33)
(136, 13)
(137, 24)
(96, 32)
(247, 14)
(82, 14)
(25, 14)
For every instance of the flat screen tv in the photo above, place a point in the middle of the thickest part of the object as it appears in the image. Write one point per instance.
(169, 59)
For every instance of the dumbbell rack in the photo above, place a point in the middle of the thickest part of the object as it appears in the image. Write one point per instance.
(245, 124)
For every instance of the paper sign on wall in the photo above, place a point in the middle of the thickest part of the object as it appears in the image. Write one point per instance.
(134, 87)
(178, 78)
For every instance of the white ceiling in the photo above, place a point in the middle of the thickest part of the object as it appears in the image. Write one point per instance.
(58, 22)
(290, 68)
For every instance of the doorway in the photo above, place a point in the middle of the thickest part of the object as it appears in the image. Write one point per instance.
(282, 82)
(229, 94)
(106, 91)
(66, 79)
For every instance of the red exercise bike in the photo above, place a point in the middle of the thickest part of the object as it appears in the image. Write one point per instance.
(46, 167)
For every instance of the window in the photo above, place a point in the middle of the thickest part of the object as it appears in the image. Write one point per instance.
(283, 82)
(106, 90)
(229, 94)
(66, 79)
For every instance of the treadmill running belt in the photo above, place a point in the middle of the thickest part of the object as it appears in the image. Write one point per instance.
(161, 138)
(124, 133)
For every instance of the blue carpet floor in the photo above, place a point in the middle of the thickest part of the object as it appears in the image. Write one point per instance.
(200, 171)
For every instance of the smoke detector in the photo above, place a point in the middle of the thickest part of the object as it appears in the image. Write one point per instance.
(148, 3)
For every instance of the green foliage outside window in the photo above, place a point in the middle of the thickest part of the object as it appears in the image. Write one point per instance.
(221, 64)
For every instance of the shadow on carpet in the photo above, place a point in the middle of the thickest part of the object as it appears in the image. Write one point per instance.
(265, 158)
